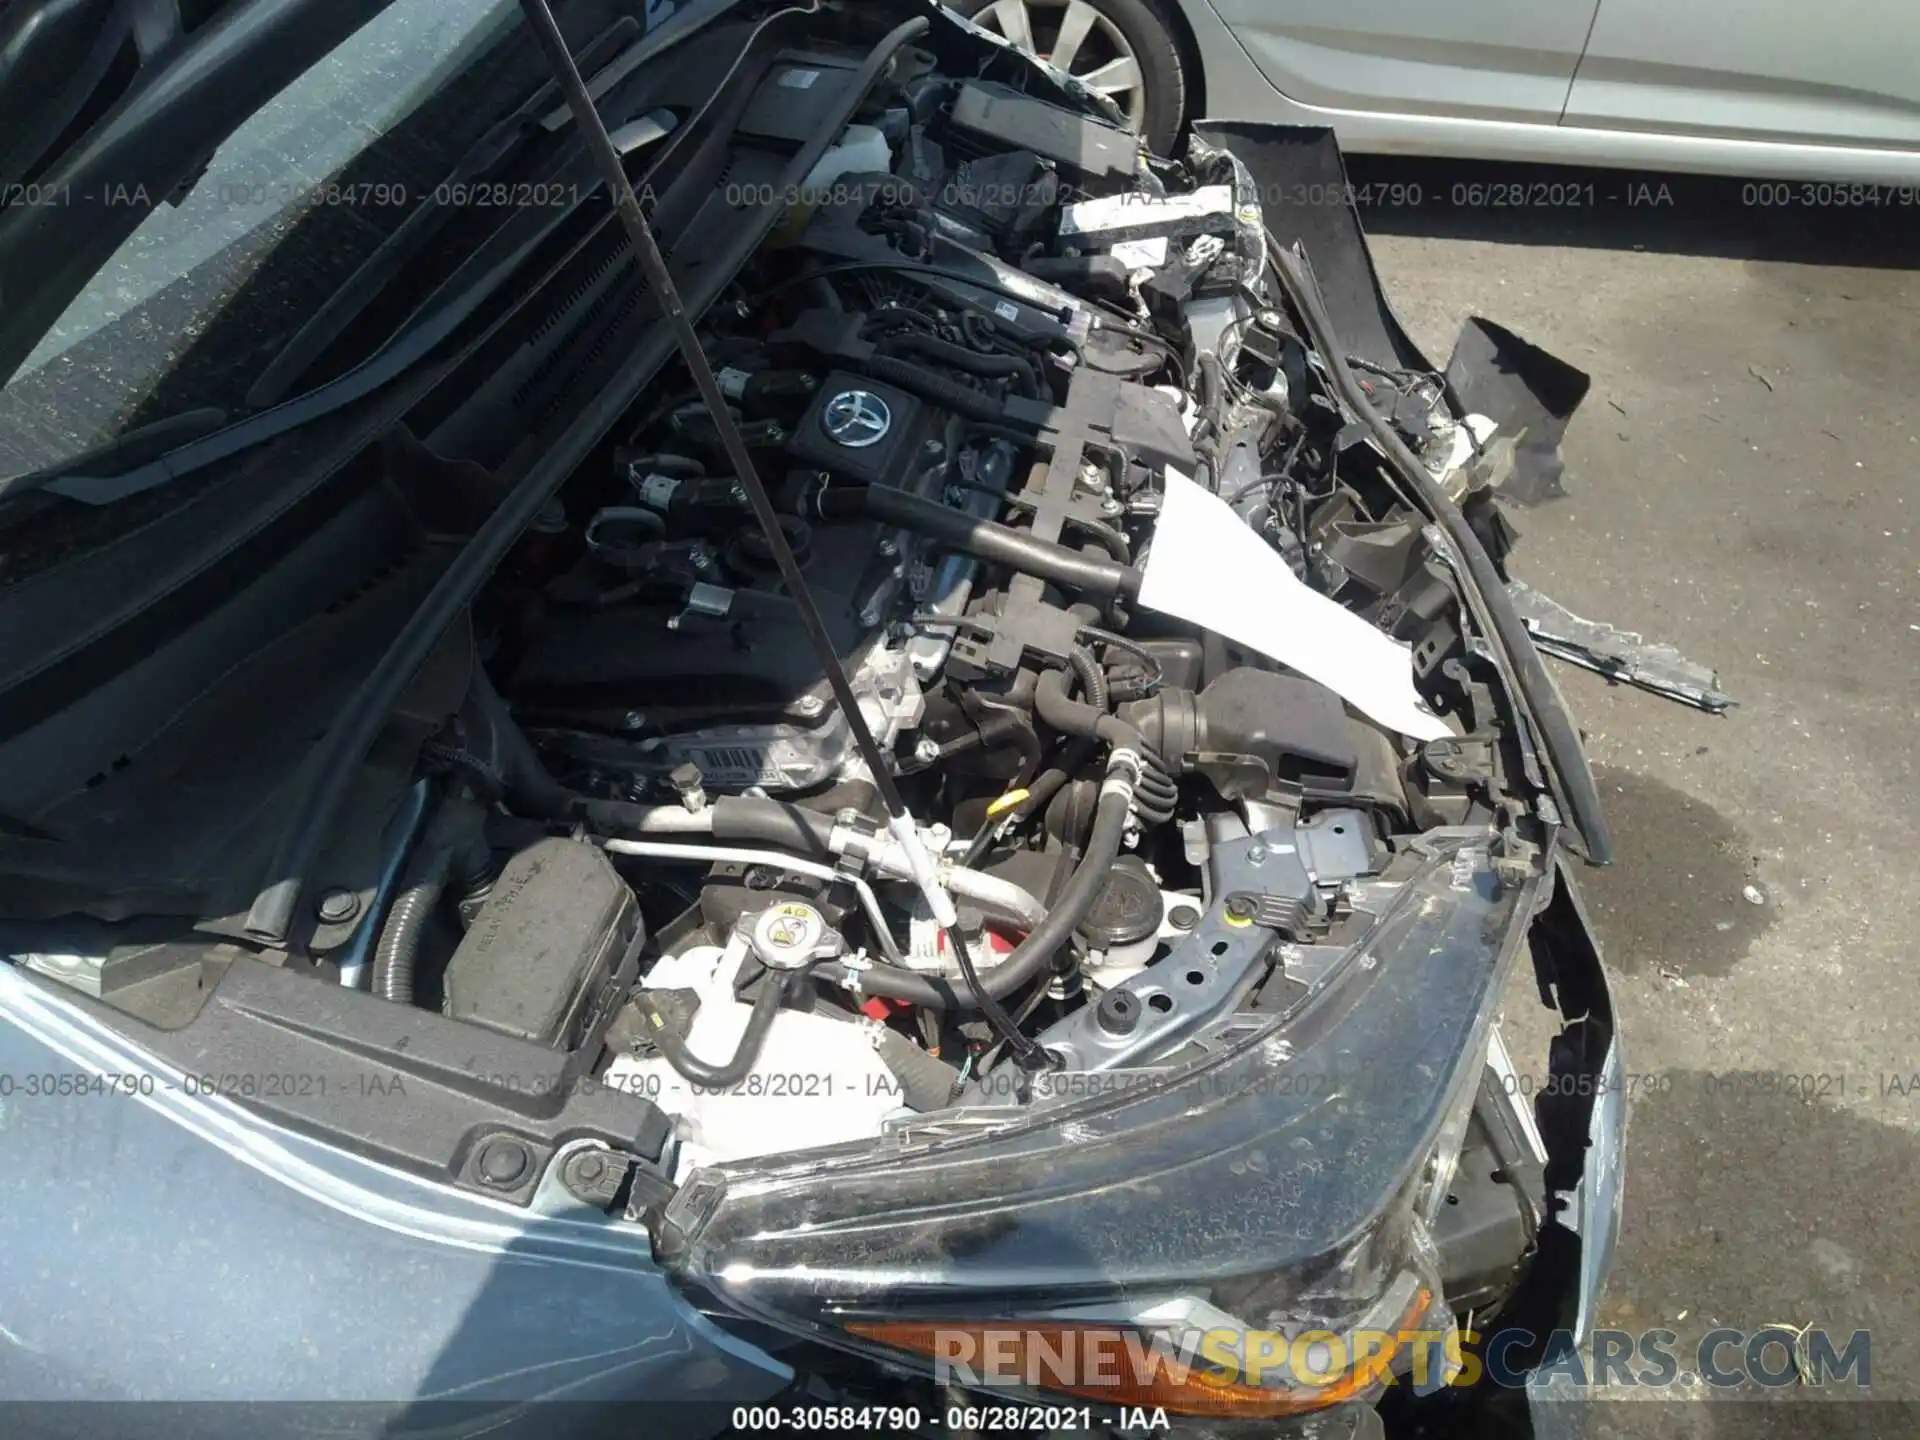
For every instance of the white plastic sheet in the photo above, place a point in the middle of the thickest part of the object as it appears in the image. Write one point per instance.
(1208, 568)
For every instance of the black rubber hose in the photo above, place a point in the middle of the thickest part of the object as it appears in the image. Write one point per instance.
(531, 790)
(1156, 796)
(1048, 783)
(1156, 800)
(1212, 389)
(1093, 679)
(1157, 788)
(1051, 781)
(922, 273)
(962, 400)
(770, 822)
(1109, 536)
(945, 352)
(1074, 717)
(1035, 954)
(1581, 799)
(985, 540)
(752, 1040)
(323, 784)
(397, 955)
(1079, 749)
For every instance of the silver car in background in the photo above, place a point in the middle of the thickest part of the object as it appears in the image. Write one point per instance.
(1828, 92)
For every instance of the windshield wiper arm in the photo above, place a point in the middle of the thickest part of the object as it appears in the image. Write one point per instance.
(493, 149)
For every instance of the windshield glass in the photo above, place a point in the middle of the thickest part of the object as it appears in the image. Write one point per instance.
(209, 286)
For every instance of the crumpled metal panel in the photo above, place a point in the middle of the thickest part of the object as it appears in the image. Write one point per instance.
(1617, 654)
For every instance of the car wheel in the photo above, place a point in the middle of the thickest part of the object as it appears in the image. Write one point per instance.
(1124, 49)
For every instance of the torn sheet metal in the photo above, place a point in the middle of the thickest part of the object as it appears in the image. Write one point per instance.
(1208, 568)
(1617, 654)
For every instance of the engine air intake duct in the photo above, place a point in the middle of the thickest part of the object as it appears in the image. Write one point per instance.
(1298, 729)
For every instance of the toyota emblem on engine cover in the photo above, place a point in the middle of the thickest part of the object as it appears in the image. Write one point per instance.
(857, 419)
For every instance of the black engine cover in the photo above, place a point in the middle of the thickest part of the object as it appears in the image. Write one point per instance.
(862, 430)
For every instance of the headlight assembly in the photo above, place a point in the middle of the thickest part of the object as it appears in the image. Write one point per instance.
(1247, 1235)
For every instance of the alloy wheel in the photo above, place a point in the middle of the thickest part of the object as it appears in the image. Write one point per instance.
(1074, 37)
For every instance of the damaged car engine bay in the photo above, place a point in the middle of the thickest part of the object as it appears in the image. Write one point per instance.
(966, 378)
(1177, 629)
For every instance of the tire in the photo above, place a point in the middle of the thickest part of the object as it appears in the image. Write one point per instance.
(1110, 32)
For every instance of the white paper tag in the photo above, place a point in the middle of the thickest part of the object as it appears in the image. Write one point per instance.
(1006, 310)
(1208, 568)
(799, 79)
(1121, 212)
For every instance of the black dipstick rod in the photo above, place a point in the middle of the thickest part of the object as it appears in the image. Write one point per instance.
(587, 118)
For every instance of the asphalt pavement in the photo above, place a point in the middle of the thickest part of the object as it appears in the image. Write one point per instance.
(1744, 482)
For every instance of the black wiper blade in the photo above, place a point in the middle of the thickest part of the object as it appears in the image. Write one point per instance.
(493, 149)
(139, 446)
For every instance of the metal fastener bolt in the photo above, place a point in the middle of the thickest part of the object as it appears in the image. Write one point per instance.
(889, 548)
(1271, 319)
(1240, 907)
(1183, 917)
(926, 750)
(809, 705)
(634, 720)
(336, 907)
(1257, 855)
(503, 1163)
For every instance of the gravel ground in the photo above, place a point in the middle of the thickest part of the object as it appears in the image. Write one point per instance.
(1743, 484)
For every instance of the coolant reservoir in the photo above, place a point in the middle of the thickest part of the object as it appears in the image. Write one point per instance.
(863, 150)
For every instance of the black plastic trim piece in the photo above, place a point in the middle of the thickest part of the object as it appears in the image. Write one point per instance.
(398, 1084)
